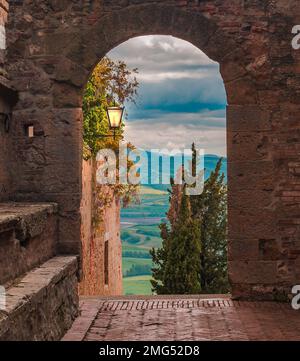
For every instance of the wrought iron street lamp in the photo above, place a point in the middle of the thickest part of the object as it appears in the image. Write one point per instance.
(115, 116)
(7, 120)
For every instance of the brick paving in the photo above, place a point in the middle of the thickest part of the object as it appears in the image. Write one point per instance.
(183, 319)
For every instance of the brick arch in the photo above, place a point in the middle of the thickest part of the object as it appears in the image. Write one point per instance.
(121, 25)
(54, 45)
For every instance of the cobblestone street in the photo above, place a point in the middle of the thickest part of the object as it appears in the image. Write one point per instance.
(183, 319)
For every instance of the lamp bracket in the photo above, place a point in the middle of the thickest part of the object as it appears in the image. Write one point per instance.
(7, 120)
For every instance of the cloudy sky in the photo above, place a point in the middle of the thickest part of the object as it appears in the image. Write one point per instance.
(181, 97)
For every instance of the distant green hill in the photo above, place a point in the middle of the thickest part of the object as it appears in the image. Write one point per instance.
(140, 230)
(154, 199)
(210, 162)
(138, 285)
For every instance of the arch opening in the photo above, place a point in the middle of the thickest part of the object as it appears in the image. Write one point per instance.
(49, 55)
(62, 68)
(181, 102)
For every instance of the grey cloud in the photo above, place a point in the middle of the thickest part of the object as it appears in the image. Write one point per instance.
(182, 96)
(206, 118)
(146, 136)
(151, 53)
(172, 71)
(183, 91)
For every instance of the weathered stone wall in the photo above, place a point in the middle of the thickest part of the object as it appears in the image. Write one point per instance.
(94, 233)
(3, 19)
(28, 237)
(5, 180)
(41, 298)
(53, 47)
(43, 304)
(7, 99)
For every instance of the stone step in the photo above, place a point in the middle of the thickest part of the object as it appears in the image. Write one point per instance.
(28, 237)
(43, 304)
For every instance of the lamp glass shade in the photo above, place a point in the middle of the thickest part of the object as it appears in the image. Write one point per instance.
(115, 115)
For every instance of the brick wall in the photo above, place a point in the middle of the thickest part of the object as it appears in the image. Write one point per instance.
(52, 48)
(42, 305)
(3, 106)
(7, 99)
(28, 237)
(3, 20)
(94, 234)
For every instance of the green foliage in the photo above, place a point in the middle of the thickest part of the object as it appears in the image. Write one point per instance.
(136, 254)
(152, 233)
(127, 263)
(210, 208)
(138, 285)
(159, 259)
(193, 256)
(146, 236)
(139, 270)
(126, 235)
(131, 238)
(111, 83)
(150, 205)
(177, 263)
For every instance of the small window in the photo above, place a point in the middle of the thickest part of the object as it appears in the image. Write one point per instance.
(106, 254)
(29, 131)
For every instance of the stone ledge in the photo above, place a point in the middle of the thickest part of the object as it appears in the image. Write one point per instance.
(43, 304)
(28, 238)
(36, 281)
(27, 218)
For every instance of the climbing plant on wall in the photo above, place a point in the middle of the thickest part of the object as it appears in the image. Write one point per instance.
(110, 83)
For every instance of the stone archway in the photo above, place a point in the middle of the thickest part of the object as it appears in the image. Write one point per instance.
(53, 47)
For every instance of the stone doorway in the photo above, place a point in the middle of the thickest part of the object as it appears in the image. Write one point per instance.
(52, 49)
(181, 100)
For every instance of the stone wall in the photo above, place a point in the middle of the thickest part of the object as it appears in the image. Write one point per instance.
(95, 231)
(7, 100)
(3, 19)
(28, 237)
(41, 294)
(43, 304)
(53, 47)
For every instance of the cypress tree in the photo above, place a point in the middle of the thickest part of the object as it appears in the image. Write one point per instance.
(193, 257)
(177, 263)
(210, 208)
(159, 259)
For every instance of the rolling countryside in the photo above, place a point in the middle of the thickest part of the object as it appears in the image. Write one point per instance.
(140, 232)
